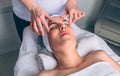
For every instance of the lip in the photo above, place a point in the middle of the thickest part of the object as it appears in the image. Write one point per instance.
(64, 33)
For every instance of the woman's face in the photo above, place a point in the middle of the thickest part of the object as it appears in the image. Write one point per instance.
(60, 33)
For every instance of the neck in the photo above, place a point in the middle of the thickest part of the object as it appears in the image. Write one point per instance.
(68, 58)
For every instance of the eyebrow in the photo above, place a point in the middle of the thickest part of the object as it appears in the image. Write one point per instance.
(55, 22)
(52, 23)
(64, 20)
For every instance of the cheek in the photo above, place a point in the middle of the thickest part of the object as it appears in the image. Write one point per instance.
(72, 31)
(53, 35)
(53, 40)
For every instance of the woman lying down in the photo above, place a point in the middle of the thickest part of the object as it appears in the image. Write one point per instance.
(63, 44)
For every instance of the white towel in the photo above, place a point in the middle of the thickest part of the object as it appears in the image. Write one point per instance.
(96, 69)
(29, 50)
(27, 64)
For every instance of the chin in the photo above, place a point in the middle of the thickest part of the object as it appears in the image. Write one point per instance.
(68, 41)
(66, 37)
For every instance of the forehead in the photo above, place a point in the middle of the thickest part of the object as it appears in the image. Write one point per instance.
(58, 18)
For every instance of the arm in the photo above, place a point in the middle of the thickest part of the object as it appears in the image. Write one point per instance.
(29, 4)
(74, 2)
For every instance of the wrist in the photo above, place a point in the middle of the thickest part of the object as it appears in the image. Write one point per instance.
(29, 4)
(72, 1)
(71, 4)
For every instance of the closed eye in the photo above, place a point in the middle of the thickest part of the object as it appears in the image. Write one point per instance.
(52, 23)
(53, 26)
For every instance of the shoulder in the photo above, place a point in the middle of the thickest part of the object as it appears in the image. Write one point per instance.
(100, 55)
(44, 73)
(47, 73)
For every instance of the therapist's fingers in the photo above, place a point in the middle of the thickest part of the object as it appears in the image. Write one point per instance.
(39, 26)
(48, 17)
(44, 22)
(82, 13)
(70, 17)
(33, 23)
(76, 17)
(34, 27)
(64, 15)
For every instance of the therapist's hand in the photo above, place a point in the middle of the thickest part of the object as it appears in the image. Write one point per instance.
(38, 18)
(73, 11)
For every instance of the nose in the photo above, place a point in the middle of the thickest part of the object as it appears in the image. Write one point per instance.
(63, 27)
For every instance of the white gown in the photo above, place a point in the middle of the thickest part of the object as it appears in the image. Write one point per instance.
(50, 6)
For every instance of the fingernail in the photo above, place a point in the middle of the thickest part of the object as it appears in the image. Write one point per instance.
(69, 22)
(48, 30)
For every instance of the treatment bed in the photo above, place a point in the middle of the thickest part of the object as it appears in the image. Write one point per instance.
(33, 58)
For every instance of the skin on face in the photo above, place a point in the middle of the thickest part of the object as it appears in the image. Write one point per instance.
(61, 34)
